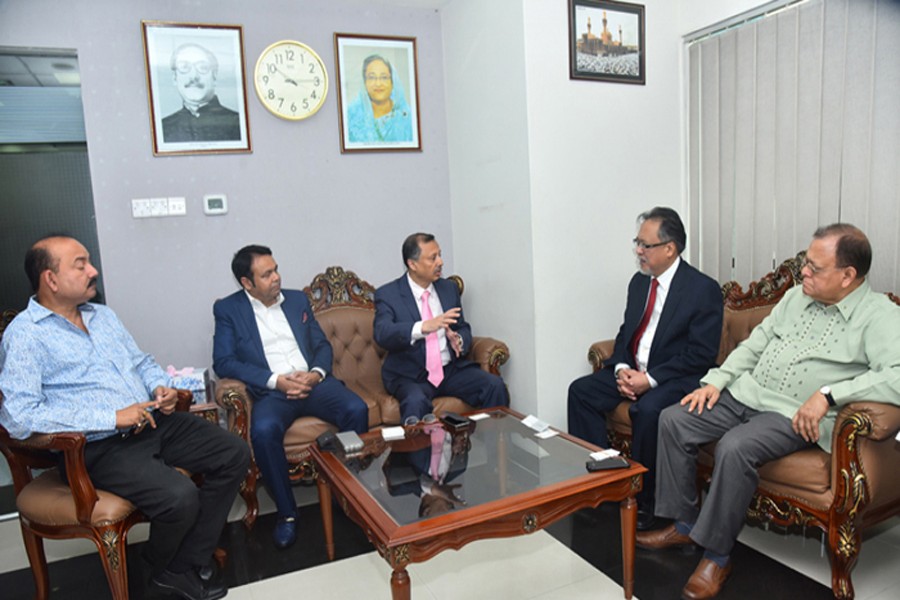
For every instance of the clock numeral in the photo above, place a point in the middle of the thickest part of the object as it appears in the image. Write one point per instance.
(313, 94)
(312, 68)
(293, 107)
(265, 79)
(306, 104)
(271, 94)
(280, 103)
(289, 54)
(317, 81)
(279, 58)
(271, 68)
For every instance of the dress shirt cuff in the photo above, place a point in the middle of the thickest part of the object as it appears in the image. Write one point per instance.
(320, 371)
(717, 379)
(619, 367)
(416, 333)
(652, 381)
(272, 383)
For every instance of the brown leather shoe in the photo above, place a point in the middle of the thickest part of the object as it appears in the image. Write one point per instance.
(658, 539)
(707, 581)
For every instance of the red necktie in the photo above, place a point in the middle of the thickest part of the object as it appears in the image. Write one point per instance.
(433, 362)
(651, 300)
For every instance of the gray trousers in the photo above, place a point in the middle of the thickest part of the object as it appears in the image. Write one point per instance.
(747, 439)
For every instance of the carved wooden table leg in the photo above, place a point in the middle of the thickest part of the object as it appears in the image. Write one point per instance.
(325, 507)
(628, 513)
(400, 587)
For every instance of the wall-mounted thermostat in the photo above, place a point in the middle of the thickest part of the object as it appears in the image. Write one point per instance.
(215, 204)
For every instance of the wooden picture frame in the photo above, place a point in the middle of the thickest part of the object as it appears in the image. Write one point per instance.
(606, 41)
(378, 93)
(196, 88)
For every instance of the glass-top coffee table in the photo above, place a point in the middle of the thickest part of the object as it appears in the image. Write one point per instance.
(441, 488)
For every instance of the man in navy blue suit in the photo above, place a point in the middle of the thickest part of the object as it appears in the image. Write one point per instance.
(669, 339)
(269, 339)
(419, 321)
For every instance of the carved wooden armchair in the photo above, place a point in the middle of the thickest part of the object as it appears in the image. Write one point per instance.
(48, 508)
(841, 493)
(344, 306)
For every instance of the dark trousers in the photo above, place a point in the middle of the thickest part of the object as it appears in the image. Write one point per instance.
(592, 396)
(185, 520)
(747, 439)
(330, 401)
(466, 381)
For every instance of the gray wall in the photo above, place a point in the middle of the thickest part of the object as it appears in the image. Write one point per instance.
(295, 192)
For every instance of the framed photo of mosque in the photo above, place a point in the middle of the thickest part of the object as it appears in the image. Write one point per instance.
(196, 88)
(378, 93)
(606, 41)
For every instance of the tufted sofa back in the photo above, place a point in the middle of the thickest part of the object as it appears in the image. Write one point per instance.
(357, 358)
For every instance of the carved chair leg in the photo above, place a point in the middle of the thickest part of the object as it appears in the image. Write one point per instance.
(248, 494)
(844, 541)
(34, 547)
(111, 543)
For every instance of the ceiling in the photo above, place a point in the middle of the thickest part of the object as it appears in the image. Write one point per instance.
(38, 68)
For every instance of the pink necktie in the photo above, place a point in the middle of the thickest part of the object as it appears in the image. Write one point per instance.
(639, 333)
(432, 347)
(437, 451)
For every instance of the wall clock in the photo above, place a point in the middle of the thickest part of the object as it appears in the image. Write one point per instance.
(291, 80)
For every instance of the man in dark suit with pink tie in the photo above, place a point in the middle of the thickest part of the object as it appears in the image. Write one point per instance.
(668, 340)
(419, 321)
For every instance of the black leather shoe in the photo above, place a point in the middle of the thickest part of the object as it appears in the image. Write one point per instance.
(189, 585)
(285, 532)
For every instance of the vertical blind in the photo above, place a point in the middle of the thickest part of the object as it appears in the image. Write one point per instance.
(793, 123)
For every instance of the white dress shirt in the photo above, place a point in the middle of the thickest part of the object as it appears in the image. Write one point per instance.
(436, 309)
(643, 349)
(279, 345)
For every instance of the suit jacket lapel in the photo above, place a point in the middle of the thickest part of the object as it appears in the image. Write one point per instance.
(673, 297)
(292, 314)
(246, 313)
(408, 299)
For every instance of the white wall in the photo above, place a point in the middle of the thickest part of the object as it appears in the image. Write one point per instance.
(489, 178)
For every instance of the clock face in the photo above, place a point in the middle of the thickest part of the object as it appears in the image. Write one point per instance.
(291, 80)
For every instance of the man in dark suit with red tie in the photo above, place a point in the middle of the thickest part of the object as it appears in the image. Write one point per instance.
(668, 340)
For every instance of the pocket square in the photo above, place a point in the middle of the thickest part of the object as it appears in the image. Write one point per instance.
(305, 317)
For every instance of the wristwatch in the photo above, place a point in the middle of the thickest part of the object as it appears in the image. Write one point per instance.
(826, 391)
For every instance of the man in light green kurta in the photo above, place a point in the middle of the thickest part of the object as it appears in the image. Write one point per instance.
(827, 343)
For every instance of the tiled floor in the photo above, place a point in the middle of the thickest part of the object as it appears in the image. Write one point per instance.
(578, 557)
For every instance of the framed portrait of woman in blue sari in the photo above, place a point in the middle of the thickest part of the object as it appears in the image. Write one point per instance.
(378, 93)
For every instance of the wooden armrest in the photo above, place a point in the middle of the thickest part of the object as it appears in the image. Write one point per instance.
(599, 352)
(232, 395)
(489, 353)
(33, 452)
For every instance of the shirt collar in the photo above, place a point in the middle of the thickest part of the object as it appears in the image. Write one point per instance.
(418, 290)
(853, 299)
(38, 311)
(258, 306)
(665, 279)
(849, 303)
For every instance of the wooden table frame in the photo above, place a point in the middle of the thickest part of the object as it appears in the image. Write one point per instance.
(516, 515)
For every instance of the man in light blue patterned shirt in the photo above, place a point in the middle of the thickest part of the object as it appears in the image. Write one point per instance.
(69, 365)
(829, 342)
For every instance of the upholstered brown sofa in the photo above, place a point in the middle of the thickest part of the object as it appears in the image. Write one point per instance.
(841, 493)
(344, 306)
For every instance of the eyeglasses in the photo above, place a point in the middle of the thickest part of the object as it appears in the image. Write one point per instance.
(645, 246)
(184, 67)
(814, 269)
(378, 78)
(414, 420)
